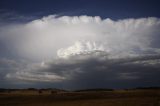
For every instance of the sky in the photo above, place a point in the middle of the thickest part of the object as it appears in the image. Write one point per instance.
(79, 44)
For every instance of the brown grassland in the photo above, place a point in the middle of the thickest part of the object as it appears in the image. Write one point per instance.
(83, 98)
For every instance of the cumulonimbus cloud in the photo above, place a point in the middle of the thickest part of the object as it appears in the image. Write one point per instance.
(41, 39)
(85, 51)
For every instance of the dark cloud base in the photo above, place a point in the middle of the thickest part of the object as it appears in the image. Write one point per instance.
(93, 72)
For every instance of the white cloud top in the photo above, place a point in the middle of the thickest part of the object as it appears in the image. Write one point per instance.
(42, 38)
(80, 47)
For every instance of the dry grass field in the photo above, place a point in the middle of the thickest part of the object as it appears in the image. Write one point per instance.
(85, 98)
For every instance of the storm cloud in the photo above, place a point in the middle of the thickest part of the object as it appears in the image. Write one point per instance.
(82, 52)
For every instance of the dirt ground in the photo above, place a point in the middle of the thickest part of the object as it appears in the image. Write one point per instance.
(94, 98)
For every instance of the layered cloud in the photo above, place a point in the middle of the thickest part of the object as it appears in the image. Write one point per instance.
(93, 70)
(83, 51)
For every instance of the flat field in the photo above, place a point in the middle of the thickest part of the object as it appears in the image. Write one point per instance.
(88, 98)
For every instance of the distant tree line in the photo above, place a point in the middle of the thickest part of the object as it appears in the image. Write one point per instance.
(55, 90)
(98, 89)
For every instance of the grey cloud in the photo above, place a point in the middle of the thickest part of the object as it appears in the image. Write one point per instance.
(98, 71)
(7, 66)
